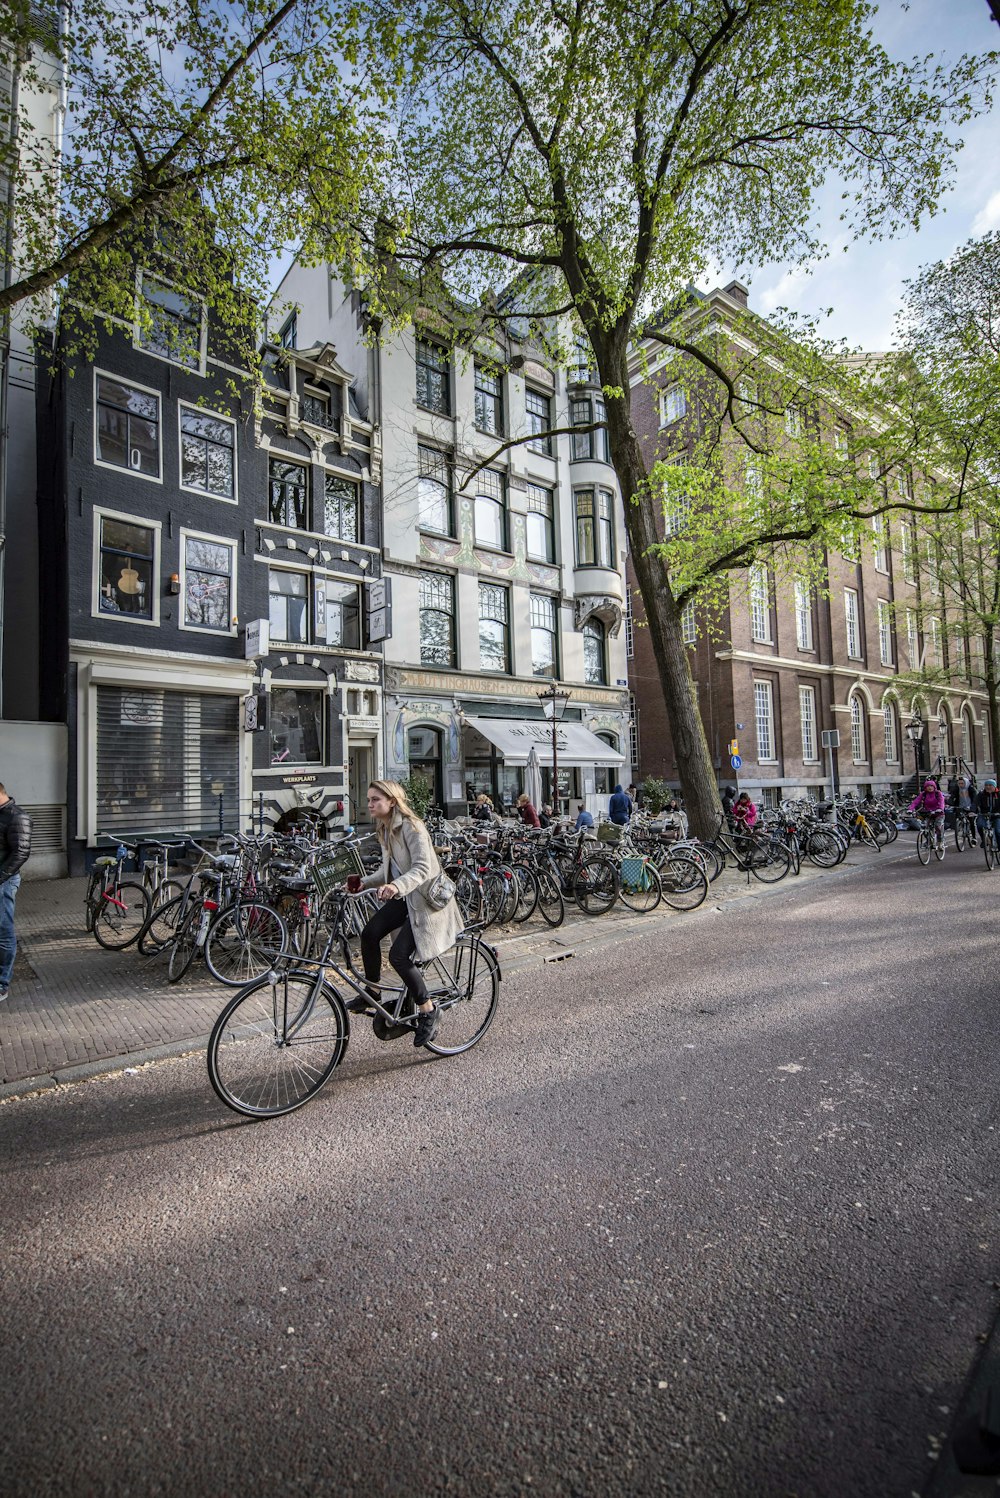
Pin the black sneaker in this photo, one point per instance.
(4, 994)
(428, 1024)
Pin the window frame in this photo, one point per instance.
(324, 746)
(890, 730)
(500, 589)
(428, 470)
(497, 503)
(481, 371)
(858, 734)
(552, 601)
(101, 513)
(803, 601)
(884, 612)
(852, 625)
(129, 384)
(326, 580)
(760, 605)
(810, 753)
(182, 406)
(548, 519)
(538, 444)
(309, 630)
(689, 623)
(276, 455)
(199, 369)
(594, 629)
(581, 444)
(422, 608)
(355, 483)
(230, 542)
(443, 370)
(672, 397)
(763, 692)
(601, 527)
(880, 549)
(913, 639)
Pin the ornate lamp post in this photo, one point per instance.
(553, 706)
(915, 732)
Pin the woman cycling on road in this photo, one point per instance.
(931, 804)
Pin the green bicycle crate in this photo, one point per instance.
(330, 872)
(608, 832)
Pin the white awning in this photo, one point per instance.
(575, 745)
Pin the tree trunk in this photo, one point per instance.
(992, 692)
(694, 762)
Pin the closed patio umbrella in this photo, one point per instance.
(533, 779)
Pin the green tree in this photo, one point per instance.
(950, 326)
(605, 153)
(222, 133)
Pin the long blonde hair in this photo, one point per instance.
(394, 792)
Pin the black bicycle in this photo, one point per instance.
(279, 1040)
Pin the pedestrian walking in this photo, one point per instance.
(15, 848)
(409, 868)
(620, 806)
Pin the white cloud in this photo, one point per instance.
(988, 217)
(788, 290)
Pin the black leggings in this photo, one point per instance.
(392, 916)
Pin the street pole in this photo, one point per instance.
(555, 770)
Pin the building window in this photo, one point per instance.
(128, 427)
(296, 726)
(314, 407)
(673, 405)
(912, 640)
(793, 421)
(541, 524)
(853, 624)
(803, 614)
(544, 636)
(885, 632)
(933, 573)
(170, 323)
(807, 717)
(208, 583)
(208, 453)
(581, 443)
(967, 740)
(288, 606)
(595, 528)
(633, 733)
(437, 619)
(537, 408)
(841, 444)
(489, 401)
(689, 624)
(934, 641)
(594, 665)
(287, 494)
(760, 606)
(490, 509)
(432, 377)
(764, 721)
(891, 736)
(494, 629)
(126, 567)
(857, 731)
(289, 333)
(907, 549)
(337, 613)
(602, 442)
(678, 504)
(629, 628)
(434, 509)
(881, 543)
(340, 508)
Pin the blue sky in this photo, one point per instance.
(863, 282)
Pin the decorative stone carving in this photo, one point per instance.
(598, 606)
(361, 671)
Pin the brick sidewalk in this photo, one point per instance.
(74, 1005)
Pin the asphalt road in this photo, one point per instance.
(713, 1212)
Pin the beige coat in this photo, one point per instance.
(434, 931)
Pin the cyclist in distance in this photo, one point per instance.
(988, 810)
(409, 866)
(931, 804)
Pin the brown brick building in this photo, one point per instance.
(787, 661)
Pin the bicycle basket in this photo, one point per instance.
(331, 871)
(633, 873)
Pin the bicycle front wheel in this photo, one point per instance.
(769, 861)
(924, 845)
(242, 943)
(273, 1046)
(551, 906)
(640, 889)
(161, 923)
(595, 887)
(468, 994)
(961, 833)
(683, 881)
(990, 848)
(121, 915)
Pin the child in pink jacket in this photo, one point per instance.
(931, 804)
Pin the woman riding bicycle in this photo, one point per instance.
(409, 866)
(931, 804)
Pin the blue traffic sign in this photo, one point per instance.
(736, 762)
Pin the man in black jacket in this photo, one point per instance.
(15, 846)
(988, 807)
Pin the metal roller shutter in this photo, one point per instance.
(164, 759)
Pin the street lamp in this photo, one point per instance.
(553, 706)
(915, 732)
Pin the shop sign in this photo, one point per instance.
(257, 642)
(142, 709)
(299, 779)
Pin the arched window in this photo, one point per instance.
(891, 733)
(594, 668)
(857, 730)
(605, 777)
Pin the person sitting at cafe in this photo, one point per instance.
(483, 809)
(583, 818)
(526, 811)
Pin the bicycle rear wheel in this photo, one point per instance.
(769, 860)
(526, 886)
(242, 943)
(595, 885)
(467, 994)
(823, 849)
(467, 893)
(640, 889)
(161, 923)
(551, 905)
(184, 942)
(268, 1052)
(121, 915)
(683, 882)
